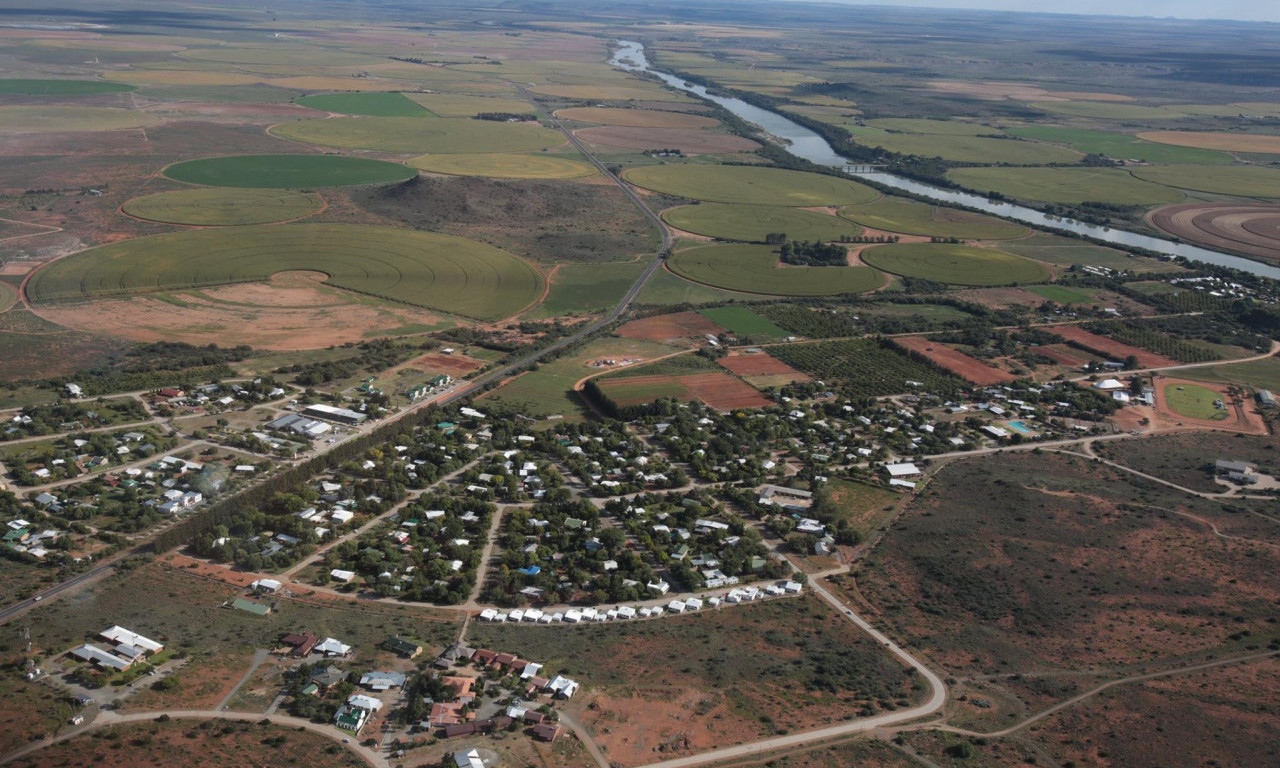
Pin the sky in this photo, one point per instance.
(1242, 10)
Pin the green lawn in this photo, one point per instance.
(1194, 402)
(1118, 146)
(743, 321)
(287, 171)
(955, 264)
(370, 104)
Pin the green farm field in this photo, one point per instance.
(287, 171)
(743, 321)
(303, 57)
(751, 223)
(426, 269)
(588, 287)
(1066, 251)
(500, 165)
(1104, 110)
(8, 296)
(755, 269)
(416, 135)
(749, 184)
(61, 87)
(224, 206)
(963, 149)
(666, 288)
(1236, 180)
(636, 118)
(1194, 401)
(460, 105)
(1118, 146)
(370, 104)
(895, 214)
(1258, 374)
(935, 127)
(1062, 294)
(1066, 185)
(955, 264)
(28, 119)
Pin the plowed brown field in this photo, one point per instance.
(662, 327)
(1110, 347)
(968, 368)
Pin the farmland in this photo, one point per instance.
(964, 149)
(370, 104)
(690, 141)
(1249, 228)
(956, 264)
(418, 268)
(718, 390)
(413, 135)
(1236, 180)
(1066, 185)
(588, 287)
(505, 166)
(742, 321)
(223, 206)
(1194, 401)
(61, 87)
(51, 119)
(895, 214)
(287, 171)
(755, 269)
(866, 367)
(954, 360)
(1061, 294)
(751, 223)
(745, 184)
(636, 118)
(461, 105)
(1118, 146)
(1106, 110)
(760, 370)
(1054, 249)
(1225, 142)
(1110, 348)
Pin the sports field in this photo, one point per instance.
(1237, 180)
(426, 269)
(1194, 401)
(1118, 146)
(505, 166)
(411, 134)
(1227, 142)
(636, 118)
(287, 171)
(224, 206)
(955, 264)
(1107, 110)
(743, 321)
(30, 119)
(896, 214)
(27, 87)
(371, 104)
(1066, 185)
(755, 269)
(751, 223)
(962, 148)
(750, 184)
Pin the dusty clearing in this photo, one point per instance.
(691, 141)
(454, 365)
(999, 298)
(669, 327)
(954, 360)
(1251, 228)
(1109, 347)
(296, 310)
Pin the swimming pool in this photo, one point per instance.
(1020, 426)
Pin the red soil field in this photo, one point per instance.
(663, 327)
(761, 365)
(718, 390)
(1252, 228)
(454, 365)
(953, 360)
(1109, 347)
(1060, 353)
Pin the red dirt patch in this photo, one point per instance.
(691, 141)
(454, 365)
(761, 370)
(1064, 355)
(969, 368)
(665, 327)
(723, 392)
(1110, 347)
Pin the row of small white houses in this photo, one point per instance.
(625, 612)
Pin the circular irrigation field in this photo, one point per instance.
(8, 296)
(1250, 228)
(287, 171)
(912, 218)
(420, 135)
(751, 223)
(750, 184)
(755, 269)
(636, 118)
(955, 264)
(425, 269)
(224, 206)
(503, 166)
(1234, 180)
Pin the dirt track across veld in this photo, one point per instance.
(1250, 228)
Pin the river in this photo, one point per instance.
(807, 145)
